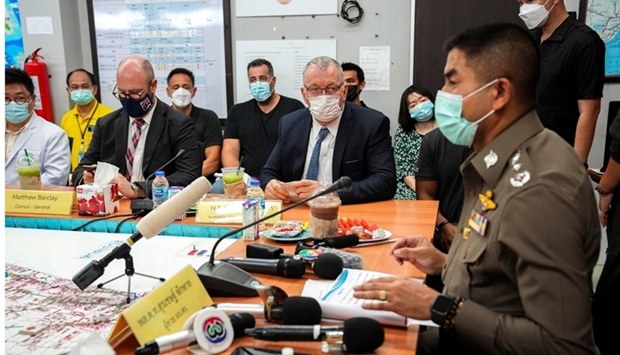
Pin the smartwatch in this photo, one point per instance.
(441, 308)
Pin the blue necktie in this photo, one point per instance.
(313, 167)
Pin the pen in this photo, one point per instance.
(368, 244)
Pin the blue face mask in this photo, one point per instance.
(261, 90)
(82, 97)
(16, 113)
(423, 111)
(448, 110)
(137, 108)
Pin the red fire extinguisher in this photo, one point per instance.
(38, 72)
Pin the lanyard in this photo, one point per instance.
(83, 131)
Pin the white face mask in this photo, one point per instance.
(325, 108)
(181, 98)
(534, 15)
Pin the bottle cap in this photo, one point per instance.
(254, 183)
(160, 173)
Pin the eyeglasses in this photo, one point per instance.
(132, 95)
(20, 100)
(330, 90)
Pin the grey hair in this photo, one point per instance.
(323, 63)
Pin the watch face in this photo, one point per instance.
(442, 304)
(440, 309)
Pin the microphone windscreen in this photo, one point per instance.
(241, 322)
(298, 310)
(341, 242)
(344, 182)
(291, 267)
(349, 260)
(328, 266)
(362, 335)
(167, 212)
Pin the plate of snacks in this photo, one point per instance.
(367, 233)
(288, 231)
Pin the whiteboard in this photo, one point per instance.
(288, 59)
(170, 34)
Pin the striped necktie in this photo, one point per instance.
(131, 149)
(313, 167)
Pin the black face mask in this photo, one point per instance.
(137, 108)
(352, 93)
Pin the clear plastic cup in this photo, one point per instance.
(29, 173)
(234, 187)
(324, 215)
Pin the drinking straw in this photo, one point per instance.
(239, 167)
(27, 156)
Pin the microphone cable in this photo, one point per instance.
(132, 215)
(349, 5)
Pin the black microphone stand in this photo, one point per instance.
(123, 251)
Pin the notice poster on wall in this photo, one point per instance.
(375, 61)
(288, 59)
(256, 8)
(170, 34)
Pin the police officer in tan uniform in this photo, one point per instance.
(518, 274)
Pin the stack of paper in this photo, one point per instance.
(337, 301)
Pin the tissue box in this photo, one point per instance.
(97, 200)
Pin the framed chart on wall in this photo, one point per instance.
(603, 16)
(192, 34)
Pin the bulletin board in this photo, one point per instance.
(192, 34)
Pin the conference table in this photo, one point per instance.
(401, 218)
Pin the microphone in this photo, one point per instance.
(209, 329)
(287, 267)
(295, 310)
(338, 242)
(349, 260)
(357, 335)
(148, 227)
(225, 279)
(146, 203)
(324, 265)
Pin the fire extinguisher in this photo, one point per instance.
(38, 72)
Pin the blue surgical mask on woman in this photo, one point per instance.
(16, 113)
(423, 111)
(137, 108)
(261, 90)
(448, 111)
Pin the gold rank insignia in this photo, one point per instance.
(486, 200)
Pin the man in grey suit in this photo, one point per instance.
(142, 136)
(518, 274)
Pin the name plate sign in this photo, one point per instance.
(38, 202)
(230, 211)
(164, 310)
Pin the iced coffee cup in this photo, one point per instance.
(324, 215)
(29, 173)
(234, 187)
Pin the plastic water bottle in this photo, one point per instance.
(256, 193)
(160, 188)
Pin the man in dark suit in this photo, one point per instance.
(330, 139)
(142, 136)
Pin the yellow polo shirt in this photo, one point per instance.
(80, 129)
